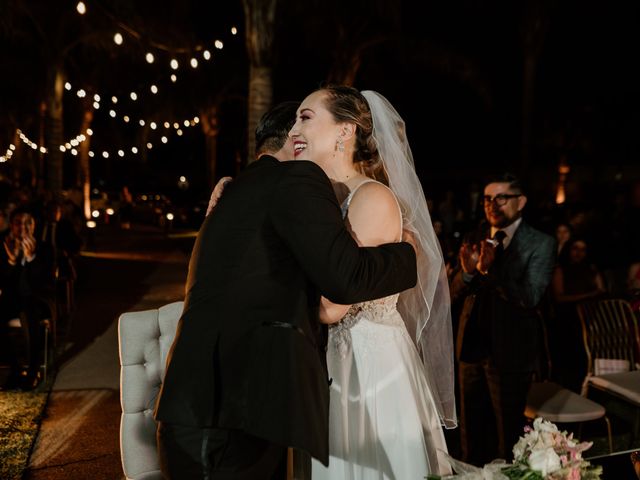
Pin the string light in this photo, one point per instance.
(207, 55)
(117, 38)
(67, 86)
(219, 44)
(154, 89)
(81, 8)
(234, 30)
(174, 64)
(114, 99)
(133, 96)
(149, 57)
(173, 78)
(194, 63)
(74, 142)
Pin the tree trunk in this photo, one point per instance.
(84, 167)
(209, 122)
(260, 99)
(259, 26)
(528, 87)
(54, 130)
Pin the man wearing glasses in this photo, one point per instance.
(502, 281)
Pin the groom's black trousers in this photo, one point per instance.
(194, 453)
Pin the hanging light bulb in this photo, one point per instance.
(153, 125)
(234, 30)
(154, 89)
(67, 86)
(114, 99)
(117, 38)
(112, 113)
(134, 96)
(174, 64)
(194, 63)
(219, 44)
(173, 78)
(206, 54)
(134, 150)
(149, 57)
(81, 8)
(164, 139)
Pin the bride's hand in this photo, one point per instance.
(217, 193)
(330, 312)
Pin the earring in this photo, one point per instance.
(339, 145)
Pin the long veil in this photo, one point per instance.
(426, 308)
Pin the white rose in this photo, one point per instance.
(545, 461)
(519, 448)
(541, 425)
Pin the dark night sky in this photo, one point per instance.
(453, 70)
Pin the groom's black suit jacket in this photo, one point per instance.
(500, 319)
(249, 353)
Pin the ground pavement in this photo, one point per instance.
(124, 270)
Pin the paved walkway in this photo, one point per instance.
(128, 271)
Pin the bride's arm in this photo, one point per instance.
(373, 219)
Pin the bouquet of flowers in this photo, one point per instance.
(543, 453)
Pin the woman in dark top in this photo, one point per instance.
(575, 279)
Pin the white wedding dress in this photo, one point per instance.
(383, 423)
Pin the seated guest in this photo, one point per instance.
(563, 234)
(575, 279)
(25, 286)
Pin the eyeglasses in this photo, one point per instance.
(500, 199)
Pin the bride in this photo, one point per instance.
(391, 359)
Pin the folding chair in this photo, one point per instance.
(610, 333)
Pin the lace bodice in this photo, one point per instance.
(382, 311)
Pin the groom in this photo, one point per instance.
(246, 374)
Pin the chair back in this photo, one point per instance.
(610, 334)
(144, 340)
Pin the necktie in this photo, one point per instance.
(499, 237)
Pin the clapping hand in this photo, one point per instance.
(468, 256)
(486, 257)
(29, 247)
(12, 247)
(474, 258)
(217, 193)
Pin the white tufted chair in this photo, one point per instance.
(144, 339)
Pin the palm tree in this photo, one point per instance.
(259, 26)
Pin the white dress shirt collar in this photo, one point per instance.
(510, 231)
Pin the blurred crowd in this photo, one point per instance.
(40, 237)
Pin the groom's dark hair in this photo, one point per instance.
(274, 126)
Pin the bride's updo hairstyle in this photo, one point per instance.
(346, 104)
